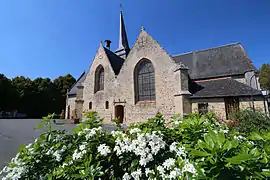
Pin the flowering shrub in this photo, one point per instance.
(193, 147)
(248, 120)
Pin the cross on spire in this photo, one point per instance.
(121, 5)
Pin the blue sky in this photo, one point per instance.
(49, 38)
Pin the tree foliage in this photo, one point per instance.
(264, 74)
(35, 98)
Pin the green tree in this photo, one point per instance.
(44, 97)
(62, 84)
(7, 94)
(264, 75)
(36, 98)
(24, 91)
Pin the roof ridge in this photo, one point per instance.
(106, 49)
(225, 45)
(77, 80)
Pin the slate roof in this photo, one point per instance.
(116, 61)
(221, 88)
(221, 61)
(73, 90)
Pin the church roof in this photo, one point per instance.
(73, 89)
(115, 60)
(220, 61)
(221, 88)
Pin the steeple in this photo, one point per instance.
(123, 47)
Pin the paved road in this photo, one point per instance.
(17, 132)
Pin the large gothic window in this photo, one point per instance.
(99, 79)
(145, 81)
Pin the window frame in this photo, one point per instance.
(99, 79)
(144, 80)
(204, 110)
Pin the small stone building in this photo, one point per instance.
(135, 83)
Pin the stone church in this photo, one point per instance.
(135, 83)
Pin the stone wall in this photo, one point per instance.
(99, 98)
(215, 105)
(120, 90)
(166, 81)
(259, 104)
(71, 103)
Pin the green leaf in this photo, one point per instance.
(255, 136)
(203, 145)
(230, 144)
(239, 158)
(266, 172)
(40, 125)
(199, 153)
(220, 139)
(209, 141)
(134, 163)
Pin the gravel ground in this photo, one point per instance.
(17, 132)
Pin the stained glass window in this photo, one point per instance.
(146, 81)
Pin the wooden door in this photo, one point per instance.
(119, 113)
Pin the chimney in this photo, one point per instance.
(108, 44)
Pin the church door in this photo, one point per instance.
(119, 112)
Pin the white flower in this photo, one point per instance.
(251, 142)
(140, 146)
(239, 137)
(80, 133)
(57, 155)
(175, 173)
(189, 168)
(224, 131)
(148, 171)
(103, 149)
(50, 151)
(160, 170)
(29, 145)
(168, 163)
(64, 165)
(136, 174)
(115, 133)
(126, 176)
(31, 150)
(91, 132)
(173, 146)
(77, 155)
(82, 147)
(134, 130)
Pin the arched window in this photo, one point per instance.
(99, 79)
(144, 75)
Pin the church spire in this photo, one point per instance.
(123, 47)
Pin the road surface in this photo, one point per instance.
(17, 132)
